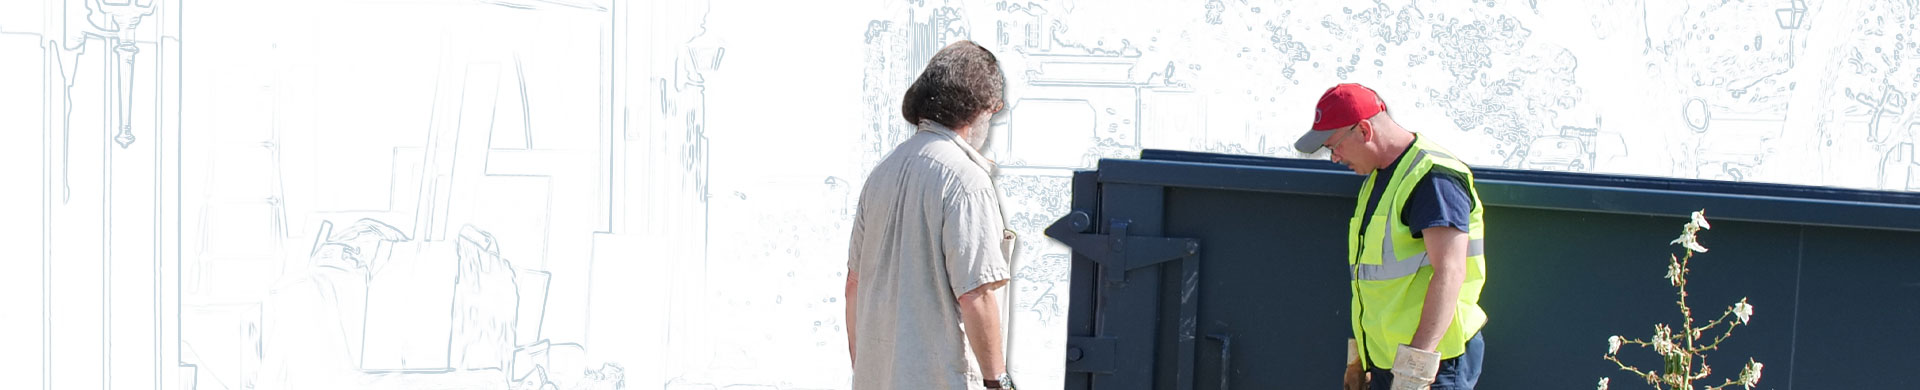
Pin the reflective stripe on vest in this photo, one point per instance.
(1392, 267)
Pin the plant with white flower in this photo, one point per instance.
(1681, 351)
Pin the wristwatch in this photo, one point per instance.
(1003, 382)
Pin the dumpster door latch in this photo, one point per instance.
(1116, 251)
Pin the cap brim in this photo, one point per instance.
(1312, 141)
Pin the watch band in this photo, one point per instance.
(1003, 382)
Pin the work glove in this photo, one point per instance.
(1414, 368)
(1357, 376)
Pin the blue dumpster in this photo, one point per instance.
(1208, 271)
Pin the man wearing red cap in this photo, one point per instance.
(1417, 264)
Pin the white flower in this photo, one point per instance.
(1613, 345)
(1751, 375)
(1673, 271)
(1603, 382)
(1695, 247)
(1743, 310)
(1662, 343)
(1686, 239)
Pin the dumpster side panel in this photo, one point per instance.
(1561, 282)
(1273, 281)
(1858, 310)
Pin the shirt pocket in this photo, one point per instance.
(1369, 254)
(1353, 250)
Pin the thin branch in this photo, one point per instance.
(1704, 370)
(1628, 341)
(1624, 367)
(1716, 322)
(1717, 340)
(1729, 382)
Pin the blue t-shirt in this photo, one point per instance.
(1439, 199)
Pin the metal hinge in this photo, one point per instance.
(1116, 251)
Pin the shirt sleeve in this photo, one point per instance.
(1440, 199)
(971, 238)
(853, 243)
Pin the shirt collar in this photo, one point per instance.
(1390, 167)
(929, 126)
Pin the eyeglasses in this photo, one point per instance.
(1343, 137)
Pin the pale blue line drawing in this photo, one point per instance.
(109, 141)
(227, 206)
(1793, 16)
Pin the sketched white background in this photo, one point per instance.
(667, 184)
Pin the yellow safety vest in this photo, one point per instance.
(1390, 269)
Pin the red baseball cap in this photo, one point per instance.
(1342, 106)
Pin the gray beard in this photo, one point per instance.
(978, 138)
(981, 135)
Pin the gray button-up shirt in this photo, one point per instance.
(928, 229)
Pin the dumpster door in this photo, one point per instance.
(1123, 260)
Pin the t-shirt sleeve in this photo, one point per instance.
(854, 242)
(971, 239)
(1440, 199)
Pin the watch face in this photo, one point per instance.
(1003, 382)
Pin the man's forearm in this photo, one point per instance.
(1447, 249)
(1436, 315)
(853, 295)
(980, 311)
